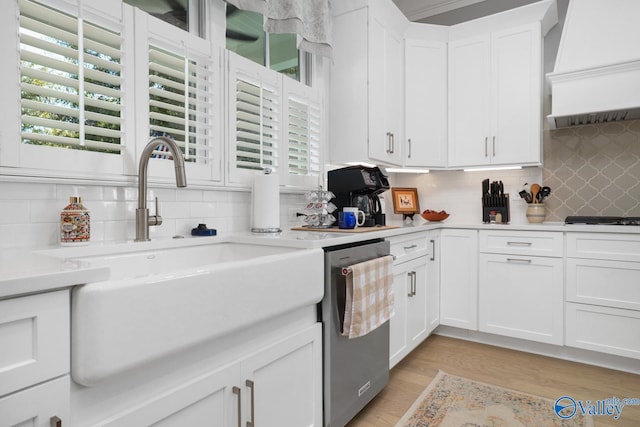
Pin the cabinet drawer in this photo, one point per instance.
(535, 243)
(38, 406)
(606, 283)
(34, 338)
(522, 297)
(608, 330)
(409, 246)
(616, 247)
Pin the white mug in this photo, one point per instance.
(360, 215)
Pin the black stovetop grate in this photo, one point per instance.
(603, 220)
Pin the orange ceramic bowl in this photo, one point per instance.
(434, 216)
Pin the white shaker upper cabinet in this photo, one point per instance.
(495, 87)
(425, 72)
(366, 83)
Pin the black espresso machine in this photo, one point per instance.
(360, 186)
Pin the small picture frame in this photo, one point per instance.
(405, 201)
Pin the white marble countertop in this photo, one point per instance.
(25, 271)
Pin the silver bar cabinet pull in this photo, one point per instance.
(433, 250)
(252, 421)
(525, 261)
(237, 391)
(409, 155)
(519, 243)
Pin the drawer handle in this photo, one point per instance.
(55, 422)
(406, 248)
(251, 423)
(525, 261)
(519, 243)
(237, 391)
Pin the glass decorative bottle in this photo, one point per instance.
(75, 221)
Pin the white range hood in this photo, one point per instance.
(597, 71)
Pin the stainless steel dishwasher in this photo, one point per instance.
(355, 370)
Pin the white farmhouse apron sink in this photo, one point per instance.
(158, 302)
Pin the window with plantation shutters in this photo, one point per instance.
(183, 94)
(254, 118)
(274, 122)
(302, 129)
(71, 85)
(178, 98)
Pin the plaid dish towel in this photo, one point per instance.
(369, 296)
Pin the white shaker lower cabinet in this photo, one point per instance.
(520, 293)
(603, 293)
(459, 278)
(34, 360)
(279, 385)
(415, 294)
(283, 383)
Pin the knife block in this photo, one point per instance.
(504, 210)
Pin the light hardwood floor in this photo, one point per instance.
(529, 373)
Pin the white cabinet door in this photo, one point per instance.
(425, 72)
(522, 297)
(282, 384)
(39, 406)
(433, 282)
(495, 95)
(469, 91)
(366, 83)
(283, 378)
(459, 278)
(398, 335)
(209, 399)
(385, 99)
(349, 100)
(516, 95)
(409, 326)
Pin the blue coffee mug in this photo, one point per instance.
(346, 220)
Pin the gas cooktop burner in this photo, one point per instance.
(603, 220)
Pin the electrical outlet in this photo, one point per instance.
(292, 214)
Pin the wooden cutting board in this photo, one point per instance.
(344, 230)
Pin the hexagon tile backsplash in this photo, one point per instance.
(593, 170)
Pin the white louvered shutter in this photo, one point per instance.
(303, 132)
(71, 90)
(183, 97)
(254, 118)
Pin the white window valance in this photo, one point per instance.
(310, 20)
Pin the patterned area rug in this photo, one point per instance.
(451, 401)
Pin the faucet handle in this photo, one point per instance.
(156, 219)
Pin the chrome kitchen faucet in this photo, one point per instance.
(143, 220)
